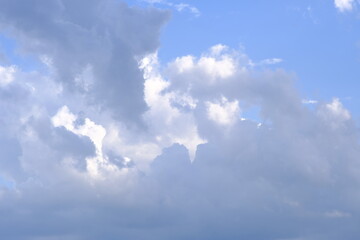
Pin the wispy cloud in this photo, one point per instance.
(309, 101)
(180, 7)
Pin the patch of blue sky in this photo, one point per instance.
(11, 54)
(317, 42)
(252, 113)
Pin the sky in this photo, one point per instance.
(166, 119)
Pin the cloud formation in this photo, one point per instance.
(344, 5)
(91, 46)
(73, 168)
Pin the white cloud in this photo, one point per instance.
(183, 6)
(222, 68)
(218, 49)
(96, 133)
(271, 61)
(344, 5)
(223, 112)
(335, 114)
(337, 110)
(194, 169)
(212, 68)
(337, 214)
(6, 75)
(309, 101)
(169, 123)
(180, 7)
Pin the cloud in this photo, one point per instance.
(180, 7)
(344, 5)
(99, 39)
(309, 101)
(271, 61)
(6, 75)
(72, 168)
(337, 214)
(223, 112)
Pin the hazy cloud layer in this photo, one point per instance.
(73, 166)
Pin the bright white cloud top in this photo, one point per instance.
(105, 142)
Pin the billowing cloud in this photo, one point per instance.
(73, 168)
(91, 46)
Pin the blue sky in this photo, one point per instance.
(316, 41)
(167, 119)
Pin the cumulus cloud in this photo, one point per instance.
(72, 168)
(344, 5)
(223, 112)
(97, 39)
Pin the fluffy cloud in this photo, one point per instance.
(6, 75)
(224, 112)
(72, 167)
(344, 5)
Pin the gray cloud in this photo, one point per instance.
(200, 170)
(102, 37)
